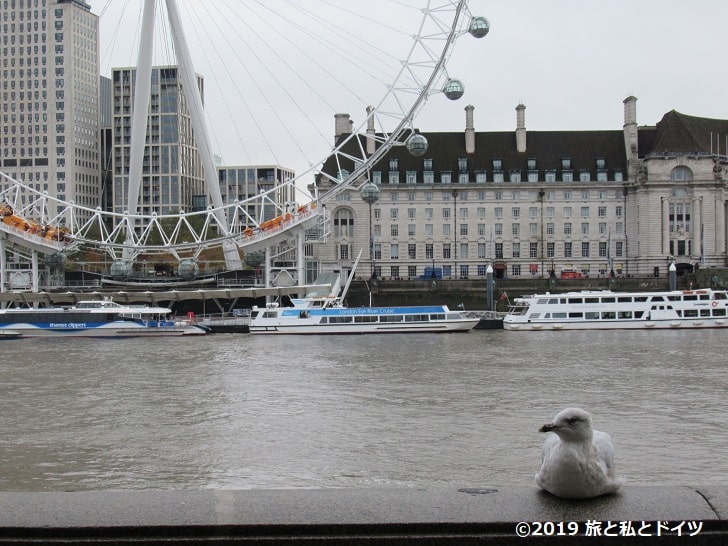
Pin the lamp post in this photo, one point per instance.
(370, 194)
(455, 210)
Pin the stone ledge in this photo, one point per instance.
(454, 515)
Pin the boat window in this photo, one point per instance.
(553, 301)
(609, 315)
(591, 300)
(535, 315)
(691, 297)
(673, 298)
(542, 301)
(340, 320)
(607, 300)
(625, 315)
(438, 316)
(366, 318)
(705, 312)
(417, 318)
(270, 314)
(624, 299)
(638, 314)
(576, 315)
(391, 318)
(591, 315)
(576, 300)
(704, 297)
(303, 314)
(558, 315)
(719, 312)
(690, 313)
(720, 296)
(640, 298)
(658, 298)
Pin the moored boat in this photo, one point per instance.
(96, 318)
(326, 314)
(607, 310)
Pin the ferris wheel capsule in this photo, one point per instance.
(479, 27)
(454, 89)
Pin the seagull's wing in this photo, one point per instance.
(605, 449)
(549, 443)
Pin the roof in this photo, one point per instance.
(680, 133)
(548, 148)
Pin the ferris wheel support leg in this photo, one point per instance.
(36, 274)
(300, 261)
(2, 264)
(266, 271)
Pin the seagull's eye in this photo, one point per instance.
(572, 420)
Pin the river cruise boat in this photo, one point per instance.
(606, 310)
(104, 318)
(327, 314)
(314, 316)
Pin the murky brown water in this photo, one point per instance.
(238, 411)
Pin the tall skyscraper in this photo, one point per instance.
(172, 176)
(49, 124)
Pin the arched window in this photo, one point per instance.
(343, 223)
(681, 174)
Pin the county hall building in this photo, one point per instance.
(593, 203)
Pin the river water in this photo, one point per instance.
(237, 411)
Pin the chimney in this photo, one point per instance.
(630, 127)
(469, 130)
(342, 125)
(521, 128)
(371, 142)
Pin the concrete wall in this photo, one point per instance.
(452, 515)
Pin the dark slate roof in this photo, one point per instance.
(679, 133)
(548, 148)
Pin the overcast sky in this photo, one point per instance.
(571, 62)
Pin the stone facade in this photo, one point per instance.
(624, 201)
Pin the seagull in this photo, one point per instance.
(577, 462)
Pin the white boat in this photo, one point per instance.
(96, 318)
(607, 310)
(326, 314)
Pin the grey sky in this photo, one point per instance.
(571, 62)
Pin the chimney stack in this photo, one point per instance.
(630, 127)
(469, 130)
(521, 127)
(371, 142)
(342, 125)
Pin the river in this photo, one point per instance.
(235, 411)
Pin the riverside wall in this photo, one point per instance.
(446, 515)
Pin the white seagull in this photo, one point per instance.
(577, 462)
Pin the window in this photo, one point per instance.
(533, 250)
(497, 164)
(411, 177)
(411, 230)
(394, 214)
(567, 228)
(499, 229)
(516, 230)
(394, 251)
(567, 212)
(516, 250)
(463, 164)
(585, 212)
(445, 251)
(498, 213)
(343, 223)
(412, 251)
(585, 228)
(429, 231)
(464, 230)
(681, 174)
(516, 213)
(429, 251)
(515, 176)
(567, 250)
(445, 177)
(585, 249)
(499, 251)
(550, 250)
(602, 249)
(618, 211)
(394, 230)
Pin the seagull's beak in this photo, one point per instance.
(549, 427)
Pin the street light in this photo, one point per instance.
(370, 194)
(455, 209)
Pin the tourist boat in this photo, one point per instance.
(607, 310)
(326, 314)
(97, 318)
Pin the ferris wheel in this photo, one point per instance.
(402, 47)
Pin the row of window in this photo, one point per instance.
(481, 177)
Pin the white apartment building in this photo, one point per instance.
(49, 123)
(629, 200)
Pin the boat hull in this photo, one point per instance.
(616, 325)
(107, 330)
(430, 328)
